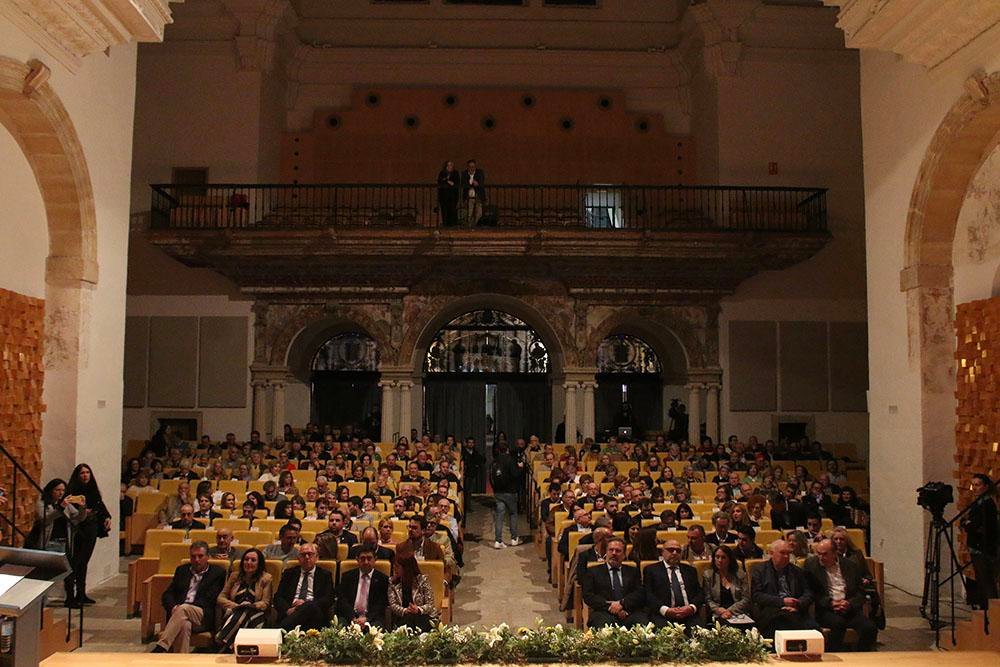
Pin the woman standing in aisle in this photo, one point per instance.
(94, 521)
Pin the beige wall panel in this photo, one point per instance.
(173, 361)
(805, 375)
(753, 366)
(848, 366)
(222, 368)
(136, 356)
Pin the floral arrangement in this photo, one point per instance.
(448, 644)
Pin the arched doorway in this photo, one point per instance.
(485, 372)
(629, 391)
(344, 379)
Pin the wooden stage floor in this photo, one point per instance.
(895, 658)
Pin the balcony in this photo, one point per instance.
(311, 238)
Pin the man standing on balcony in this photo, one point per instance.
(473, 192)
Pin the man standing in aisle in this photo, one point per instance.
(473, 192)
(505, 476)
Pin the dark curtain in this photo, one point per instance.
(341, 398)
(524, 408)
(645, 397)
(456, 407)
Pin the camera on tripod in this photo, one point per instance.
(935, 496)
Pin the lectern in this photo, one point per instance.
(23, 601)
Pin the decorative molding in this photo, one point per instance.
(926, 32)
(720, 24)
(71, 31)
(255, 41)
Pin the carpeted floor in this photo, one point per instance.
(507, 585)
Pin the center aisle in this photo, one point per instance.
(506, 585)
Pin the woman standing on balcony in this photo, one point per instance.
(448, 194)
(94, 522)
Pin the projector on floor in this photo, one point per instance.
(806, 643)
(258, 643)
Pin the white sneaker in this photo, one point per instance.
(516, 541)
(499, 545)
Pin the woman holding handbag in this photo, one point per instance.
(93, 522)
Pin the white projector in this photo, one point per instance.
(798, 643)
(258, 643)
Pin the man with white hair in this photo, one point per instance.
(780, 594)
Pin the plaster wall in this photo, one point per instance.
(23, 225)
(99, 99)
(902, 106)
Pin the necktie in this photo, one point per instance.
(616, 583)
(675, 588)
(361, 604)
(304, 586)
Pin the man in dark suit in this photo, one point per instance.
(614, 592)
(186, 520)
(599, 538)
(363, 593)
(369, 539)
(189, 601)
(840, 598)
(305, 594)
(721, 534)
(673, 594)
(787, 513)
(780, 593)
(473, 192)
(334, 535)
(746, 546)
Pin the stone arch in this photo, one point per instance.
(41, 126)
(34, 115)
(291, 329)
(963, 140)
(667, 338)
(304, 345)
(415, 345)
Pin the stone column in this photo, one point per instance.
(260, 406)
(694, 413)
(589, 426)
(712, 411)
(570, 409)
(277, 411)
(388, 409)
(405, 407)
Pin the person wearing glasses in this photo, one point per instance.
(305, 593)
(673, 593)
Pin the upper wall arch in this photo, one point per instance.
(40, 124)
(671, 338)
(419, 338)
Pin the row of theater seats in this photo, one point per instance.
(153, 614)
(581, 612)
(150, 574)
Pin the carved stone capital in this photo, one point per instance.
(719, 23)
(255, 41)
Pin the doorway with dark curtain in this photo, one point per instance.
(346, 397)
(524, 408)
(645, 400)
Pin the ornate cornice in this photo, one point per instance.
(256, 41)
(71, 30)
(719, 24)
(926, 32)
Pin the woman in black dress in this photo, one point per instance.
(245, 599)
(448, 194)
(94, 521)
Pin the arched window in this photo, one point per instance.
(487, 341)
(350, 351)
(622, 353)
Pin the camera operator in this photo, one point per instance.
(983, 539)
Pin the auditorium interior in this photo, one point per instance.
(740, 256)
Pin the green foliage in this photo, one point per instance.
(502, 645)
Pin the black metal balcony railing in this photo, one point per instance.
(634, 207)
